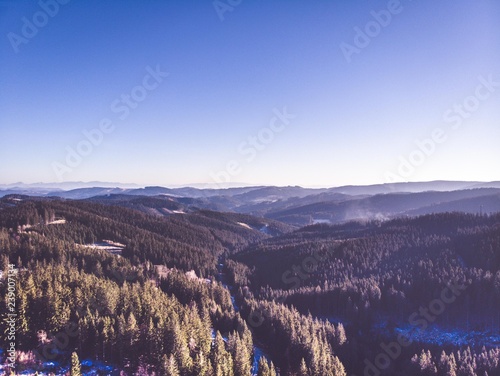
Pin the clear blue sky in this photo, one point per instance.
(353, 123)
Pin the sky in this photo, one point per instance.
(292, 92)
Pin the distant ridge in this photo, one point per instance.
(67, 185)
(80, 190)
(294, 205)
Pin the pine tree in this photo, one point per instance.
(121, 336)
(242, 365)
(210, 368)
(303, 371)
(170, 367)
(263, 369)
(341, 336)
(163, 365)
(200, 366)
(272, 370)
(131, 329)
(222, 359)
(337, 367)
(75, 365)
(23, 323)
(451, 369)
(181, 351)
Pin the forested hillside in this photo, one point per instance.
(185, 241)
(130, 285)
(374, 276)
(156, 307)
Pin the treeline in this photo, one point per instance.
(460, 363)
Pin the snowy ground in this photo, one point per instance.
(107, 245)
(88, 367)
(440, 335)
(244, 225)
(435, 335)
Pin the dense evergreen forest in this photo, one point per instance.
(417, 277)
(205, 292)
(158, 308)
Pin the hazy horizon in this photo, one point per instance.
(69, 185)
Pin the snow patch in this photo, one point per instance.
(57, 222)
(244, 225)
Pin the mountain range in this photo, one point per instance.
(293, 205)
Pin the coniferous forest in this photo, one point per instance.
(105, 288)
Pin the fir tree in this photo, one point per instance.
(303, 371)
(263, 368)
(75, 365)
